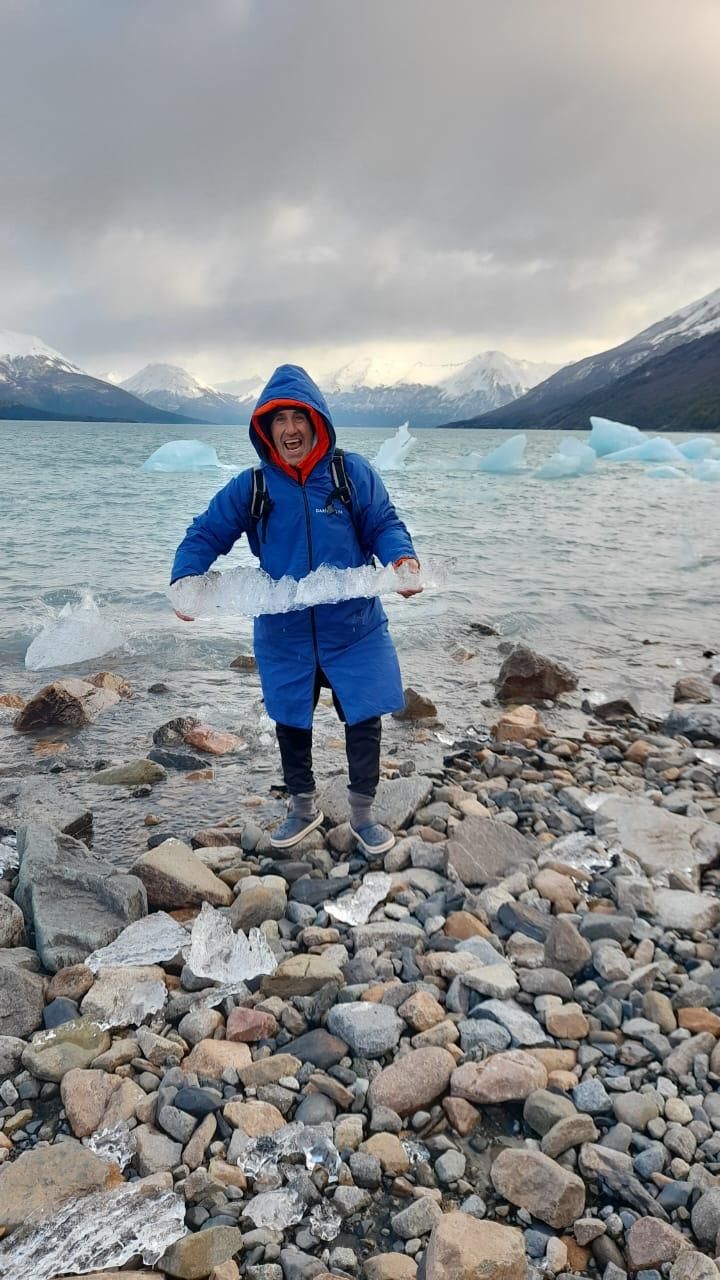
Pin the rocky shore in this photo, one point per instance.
(494, 1054)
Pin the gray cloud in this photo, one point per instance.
(236, 180)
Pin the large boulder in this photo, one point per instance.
(694, 722)
(463, 1248)
(660, 841)
(22, 996)
(40, 1181)
(73, 901)
(484, 850)
(395, 801)
(72, 1045)
(174, 877)
(526, 676)
(73, 703)
(42, 801)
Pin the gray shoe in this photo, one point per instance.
(294, 829)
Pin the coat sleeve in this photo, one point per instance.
(216, 531)
(380, 529)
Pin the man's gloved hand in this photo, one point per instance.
(413, 567)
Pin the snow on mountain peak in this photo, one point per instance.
(481, 373)
(693, 321)
(18, 346)
(167, 377)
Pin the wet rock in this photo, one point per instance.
(74, 901)
(370, 1030)
(22, 997)
(395, 801)
(695, 723)
(40, 1181)
(504, 1077)
(692, 689)
(39, 801)
(532, 1181)
(463, 1248)
(417, 707)
(612, 706)
(216, 743)
(413, 1081)
(73, 703)
(244, 662)
(175, 877)
(518, 725)
(484, 850)
(132, 774)
(526, 676)
(74, 1044)
(172, 733)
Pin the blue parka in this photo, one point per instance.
(350, 640)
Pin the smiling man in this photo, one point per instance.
(309, 504)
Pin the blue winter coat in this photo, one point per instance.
(349, 641)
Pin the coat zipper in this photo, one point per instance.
(308, 529)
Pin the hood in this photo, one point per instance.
(291, 385)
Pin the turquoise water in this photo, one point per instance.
(585, 570)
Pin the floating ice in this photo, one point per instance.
(656, 449)
(261, 1157)
(184, 455)
(79, 633)
(505, 460)
(116, 1145)
(252, 592)
(95, 1232)
(155, 938)
(392, 452)
(698, 448)
(218, 953)
(608, 437)
(573, 458)
(9, 859)
(131, 1007)
(355, 908)
(665, 472)
(709, 470)
(276, 1210)
(324, 1221)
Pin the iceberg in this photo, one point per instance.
(573, 458)
(505, 460)
(78, 634)
(665, 472)
(184, 455)
(253, 593)
(356, 907)
(155, 938)
(608, 437)
(393, 452)
(698, 448)
(94, 1233)
(654, 449)
(217, 952)
(709, 470)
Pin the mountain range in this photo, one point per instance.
(667, 378)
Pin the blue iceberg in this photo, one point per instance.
(698, 448)
(608, 437)
(709, 470)
(183, 455)
(656, 449)
(505, 460)
(392, 452)
(665, 472)
(573, 458)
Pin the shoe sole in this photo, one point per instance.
(374, 848)
(293, 840)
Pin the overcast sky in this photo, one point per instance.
(227, 184)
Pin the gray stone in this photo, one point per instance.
(395, 801)
(11, 1051)
(38, 800)
(484, 850)
(155, 1152)
(592, 1097)
(524, 1029)
(544, 1109)
(418, 1219)
(686, 912)
(660, 841)
(545, 982)
(74, 901)
(370, 1030)
(12, 923)
(476, 1032)
(22, 996)
(694, 722)
(450, 1167)
(199, 1252)
(705, 1218)
(565, 949)
(392, 935)
(635, 1109)
(132, 774)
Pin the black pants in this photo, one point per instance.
(362, 744)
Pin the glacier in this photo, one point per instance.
(252, 592)
(184, 455)
(573, 458)
(607, 436)
(393, 452)
(78, 634)
(654, 449)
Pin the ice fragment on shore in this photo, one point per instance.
(357, 907)
(261, 1157)
(608, 437)
(392, 452)
(656, 449)
(155, 938)
(506, 459)
(9, 859)
(324, 1221)
(183, 455)
(116, 1145)
(132, 1006)
(217, 952)
(95, 1232)
(276, 1210)
(79, 633)
(253, 593)
(573, 458)
(581, 850)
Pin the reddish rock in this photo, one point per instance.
(250, 1025)
(463, 1248)
(650, 1243)
(417, 707)
(413, 1081)
(74, 703)
(504, 1077)
(463, 925)
(108, 680)
(203, 738)
(463, 1116)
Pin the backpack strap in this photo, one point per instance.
(261, 504)
(342, 489)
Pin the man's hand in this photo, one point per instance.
(413, 566)
(183, 616)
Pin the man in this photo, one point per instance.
(305, 507)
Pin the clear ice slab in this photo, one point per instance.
(218, 953)
(155, 938)
(253, 593)
(393, 452)
(116, 1145)
(356, 908)
(262, 1156)
(607, 436)
(95, 1232)
(78, 634)
(276, 1210)
(184, 455)
(573, 458)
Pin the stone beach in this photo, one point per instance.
(500, 1059)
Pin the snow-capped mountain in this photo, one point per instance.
(169, 387)
(38, 382)
(541, 405)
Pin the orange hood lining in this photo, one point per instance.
(319, 449)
